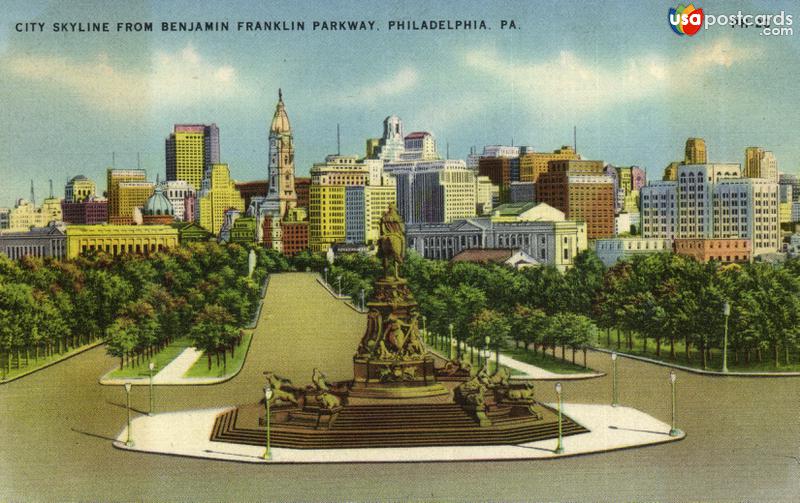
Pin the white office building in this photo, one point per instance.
(712, 201)
(177, 191)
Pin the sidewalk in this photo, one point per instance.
(530, 371)
(694, 370)
(172, 374)
(187, 434)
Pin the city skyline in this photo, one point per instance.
(632, 103)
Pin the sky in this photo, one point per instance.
(633, 88)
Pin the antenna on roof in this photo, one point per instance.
(113, 159)
(575, 138)
(51, 188)
(338, 141)
(447, 149)
(33, 197)
(512, 141)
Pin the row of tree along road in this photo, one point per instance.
(137, 304)
(664, 305)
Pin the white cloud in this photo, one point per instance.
(568, 83)
(403, 81)
(178, 78)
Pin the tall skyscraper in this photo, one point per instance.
(582, 191)
(364, 206)
(421, 146)
(533, 164)
(119, 211)
(219, 195)
(392, 145)
(191, 150)
(792, 180)
(713, 201)
(695, 151)
(760, 163)
(436, 191)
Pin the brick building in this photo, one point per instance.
(722, 250)
(582, 191)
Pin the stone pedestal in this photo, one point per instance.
(395, 379)
(391, 360)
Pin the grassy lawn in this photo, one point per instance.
(695, 361)
(444, 349)
(555, 365)
(200, 368)
(161, 360)
(34, 364)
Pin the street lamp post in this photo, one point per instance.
(152, 399)
(363, 305)
(425, 329)
(673, 432)
(267, 398)
(726, 310)
(560, 446)
(129, 440)
(453, 344)
(614, 397)
(326, 276)
(488, 341)
(339, 279)
(497, 355)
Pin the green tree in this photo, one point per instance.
(121, 339)
(214, 331)
(492, 324)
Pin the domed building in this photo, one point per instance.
(158, 210)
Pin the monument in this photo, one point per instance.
(391, 360)
(401, 395)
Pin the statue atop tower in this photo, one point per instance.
(281, 196)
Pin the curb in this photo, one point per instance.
(712, 373)
(346, 298)
(117, 443)
(330, 290)
(65, 357)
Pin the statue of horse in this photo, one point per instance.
(282, 388)
(525, 393)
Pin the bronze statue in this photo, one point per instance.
(392, 243)
(320, 380)
(282, 388)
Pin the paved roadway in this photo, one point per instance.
(56, 425)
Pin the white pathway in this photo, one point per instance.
(177, 367)
(187, 434)
(172, 373)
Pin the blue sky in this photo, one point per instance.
(634, 89)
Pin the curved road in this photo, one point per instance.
(743, 434)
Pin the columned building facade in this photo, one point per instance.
(553, 243)
(39, 242)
